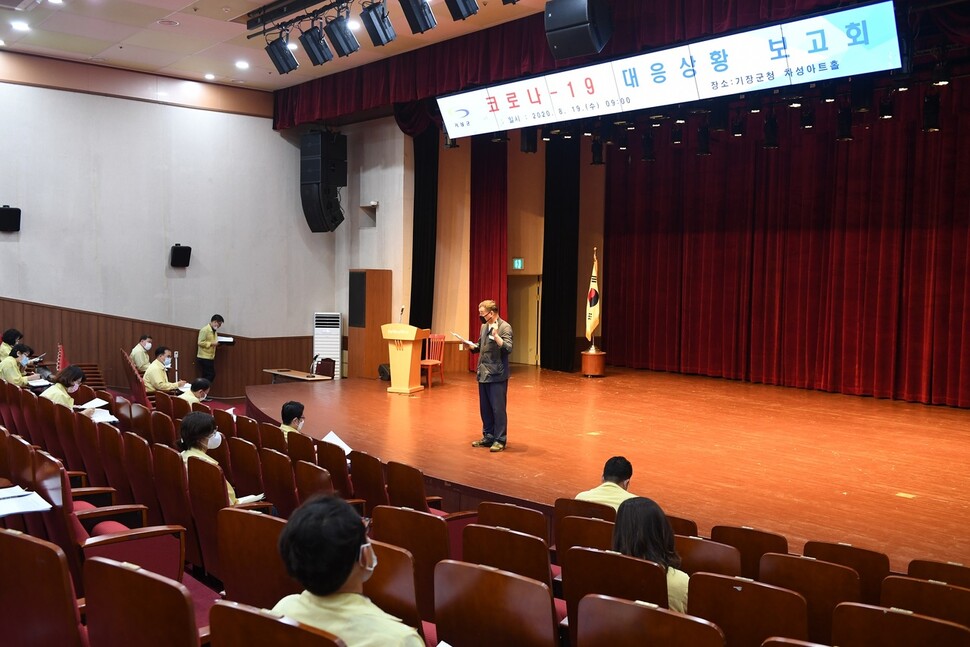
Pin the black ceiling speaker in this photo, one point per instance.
(282, 57)
(343, 40)
(577, 27)
(9, 218)
(315, 46)
(378, 23)
(461, 9)
(180, 256)
(419, 15)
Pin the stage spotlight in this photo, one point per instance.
(737, 126)
(419, 15)
(378, 23)
(843, 129)
(718, 119)
(315, 46)
(646, 148)
(596, 148)
(281, 56)
(461, 9)
(677, 135)
(886, 107)
(703, 140)
(771, 132)
(499, 137)
(622, 142)
(807, 119)
(931, 113)
(940, 75)
(860, 94)
(546, 134)
(529, 140)
(343, 40)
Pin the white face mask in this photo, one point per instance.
(73, 388)
(24, 360)
(367, 560)
(214, 440)
(148, 345)
(168, 362)
(299, 424)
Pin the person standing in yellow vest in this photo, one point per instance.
(208, 342)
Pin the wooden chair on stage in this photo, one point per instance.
(391, 587)
(300, 447)
(272, 437)
(872, 566)
(949, 572)
(751, 543)
(824, 586)
(587, 570)
(862, 625)
(927, 597)
(278, 480)
(246, 470)
(682, 526)
(136, 455)
(606, 620)
(586, 532)
(252, 569)
(91, 452)
(240, 625)
(747, 612)
(127, 605)
(698, 554)
(248, 429)
(180, 408)
(482, 606)
(425, 536)
(118, 477)
(434, 354)
(36, 593)
(172, 489)
(514, 517)
(369, 483)
(311, 480)
(163, 429)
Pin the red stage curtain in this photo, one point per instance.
(829, 265)
(488, 255)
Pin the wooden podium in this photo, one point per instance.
(404, 349)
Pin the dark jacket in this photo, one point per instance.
(493, 360)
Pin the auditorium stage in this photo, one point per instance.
(880, 474)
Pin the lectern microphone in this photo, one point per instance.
(400, 318)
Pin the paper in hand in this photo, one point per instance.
(463, 340)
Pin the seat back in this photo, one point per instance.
(311, 480)
(467, 616)
(682, 526)
(248, 429)
(28, 406)
(163, 403)
(65, 422)
(50, 482)
(222, 456)
(46, 410)
(207, 496)
(141, 420)
(861, 625)
(391, 586)
(121, 408)
(90, 446)
(949, 572)
(15, 395)
(872, 566)
(425, 536)
(434, 347)
(369, 483)
(823, 585)
(136, 457)
(514, 517)
(127, 605)
(576, 508)
(326, 366)
(583, 531)
(118, 475)
(751, 543)
(697, 554)
(252, 569)
(36, 593)
(180, 408)
(747, 612)
(6, 413)
(606, 620)
(239, 625)
(927, 597)
(299, 447)
(201, 408)
(405, 487)
(172, 488)
(272, 436)
(224, 422)
(333, 459)
(587, 570)
(508, 550)
(246, 470)
(83, 394)
(278, 481)
(20, 457)
(163, 429)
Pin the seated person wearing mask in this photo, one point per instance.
(139, 354)
(292, 417)
(10, 366)
(198, 391)
(197, 435)
(65, 385)
(325, 547)
(616, 480)
(11, 337)
(156, 377)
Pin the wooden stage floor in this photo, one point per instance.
(880, 474)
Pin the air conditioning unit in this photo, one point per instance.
(327, 338)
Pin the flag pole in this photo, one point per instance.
(594, 360)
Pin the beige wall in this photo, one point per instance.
(452, 253)
(592, 197)
(526, 197)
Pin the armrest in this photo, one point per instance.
(77, 478)
(434, 502)
(358, 505)
(256, 506)
(159, 549)
(133, 516)
(98, 496)
(472, 515)
(205, 637)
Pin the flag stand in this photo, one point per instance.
(594, 360)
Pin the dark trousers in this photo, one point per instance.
(491, 401)
(207, 368)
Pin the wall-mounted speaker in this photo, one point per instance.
(577, 27)
(180, 256)
(321, 207)
(323, 158)
(9, 218)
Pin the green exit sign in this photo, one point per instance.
(518, 264)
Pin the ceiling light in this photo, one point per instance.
(737, 127)
(419, 15)
(886, 108)
(343, 40)
(378, 23)
(677, 135)
(807, 119)
(20, 25)
(2, 43)
(242, 65)
(167, 23)
(55, 1)
(210, 76)
(352, 24)
(315, 46)
(940, 76)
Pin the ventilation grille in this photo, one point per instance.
(327, 338)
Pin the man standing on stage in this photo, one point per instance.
(494, 346)
(208, 342)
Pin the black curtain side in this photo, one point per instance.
(560, 242)
(425, 228)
